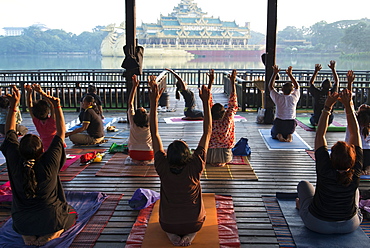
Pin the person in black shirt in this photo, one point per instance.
(320, 95)
(189, 111)
(91, 91)
(40, 211)
(333, 206)
(92, 123)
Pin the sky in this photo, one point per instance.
(77, 16)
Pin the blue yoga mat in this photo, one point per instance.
(85, 203)
(303, 237)
(298, 144)
(106, 122)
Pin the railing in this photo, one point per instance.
(71, 85)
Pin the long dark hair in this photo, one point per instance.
(30, 148)
(91, 99)
(363, 118)
(178, 155)
(343, 158)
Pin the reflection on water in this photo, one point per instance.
(37, 62)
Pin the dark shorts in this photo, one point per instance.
(191, 112)
(72, 217)
(284, 127)
(315, 119)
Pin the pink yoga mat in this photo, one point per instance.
(70, 161)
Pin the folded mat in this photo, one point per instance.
(220, 222)
(304, 122)
(290, 230)
(85, 203)
(298, 144)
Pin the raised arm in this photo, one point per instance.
(289, 72)
(179, 79)
(204, 94)
(232, 77)
(322, 126)
(154, 95)
(352, 125)
(335, 75)
(350, 80)
(29, 102)
(318, 67)
(275, 71)
(14, 99)
(211, 78)
(135, 84)
(38, 89)
(59, 117)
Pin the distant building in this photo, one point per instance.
(16, 31)
(187, 31)
(13, 31)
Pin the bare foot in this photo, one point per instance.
(46, 238)
(297, 205)
(187, 239)
(289, 138)
(29, 240)
(281, 138)
(174, 238)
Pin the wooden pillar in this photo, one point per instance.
(270, 57)
(130, 40)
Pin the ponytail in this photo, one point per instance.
(31, 149)
(345, 177)
(30, 182)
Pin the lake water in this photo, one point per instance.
(37, 62)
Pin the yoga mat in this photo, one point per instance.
(156, 237)
(226, 222)
(179, 120)
(116, 167)
(304, 122)
(298, 144)
(303, 237)
(85, 203)
(5, 192)
(70, 161)
(91, 232)
(238, 169)
(76, 123)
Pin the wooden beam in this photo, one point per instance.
(270, 57)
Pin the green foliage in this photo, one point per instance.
(35, 41)
(346, 36)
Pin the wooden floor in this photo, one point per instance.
(277, 171)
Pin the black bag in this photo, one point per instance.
(242, 148)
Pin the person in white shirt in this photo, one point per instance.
(284, 124)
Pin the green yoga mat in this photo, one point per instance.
(334, 127)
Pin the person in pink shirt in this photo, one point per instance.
(223, 126)
(42, 115)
